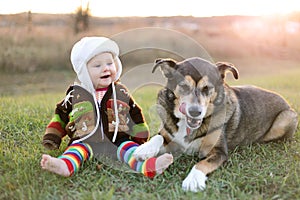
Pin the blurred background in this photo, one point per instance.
(36, 37)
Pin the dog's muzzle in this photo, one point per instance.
(193, 116)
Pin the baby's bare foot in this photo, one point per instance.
(163, 162)
(54, 165)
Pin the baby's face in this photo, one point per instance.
(102, 70)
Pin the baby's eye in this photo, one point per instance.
(97, 66)
(110, 63)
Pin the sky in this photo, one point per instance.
(197, 8)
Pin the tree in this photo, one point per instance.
(82, 18)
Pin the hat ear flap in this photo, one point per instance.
(119, 68)
(168, 67)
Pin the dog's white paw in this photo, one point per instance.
(195, 181)
(149, 149)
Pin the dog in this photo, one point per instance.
(202, 115)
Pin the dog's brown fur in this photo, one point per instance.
(216, 117)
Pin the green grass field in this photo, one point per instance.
(270, 171)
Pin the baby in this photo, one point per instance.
(99, 115)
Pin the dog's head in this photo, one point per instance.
(197, 85)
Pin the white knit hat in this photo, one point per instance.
(87, 48)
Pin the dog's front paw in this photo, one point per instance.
(195, 181)
(149, 149)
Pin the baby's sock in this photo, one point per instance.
(149, 167)
(75, 155)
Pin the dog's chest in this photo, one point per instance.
(187, 146)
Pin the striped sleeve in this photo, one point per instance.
(140, 132)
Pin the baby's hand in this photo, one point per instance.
(51, 141)
(48, 144)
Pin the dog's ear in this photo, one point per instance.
(167, 66)
(223, 67)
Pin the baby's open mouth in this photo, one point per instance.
(103, 77)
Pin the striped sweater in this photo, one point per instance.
(75, 116)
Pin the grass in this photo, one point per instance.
(270, 171)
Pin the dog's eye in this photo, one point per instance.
(205, 89)
(184, 86)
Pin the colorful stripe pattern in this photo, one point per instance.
(140, 130)
(75, 155)
(57, 123)
(125, 151)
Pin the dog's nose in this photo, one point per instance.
(194, 111)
